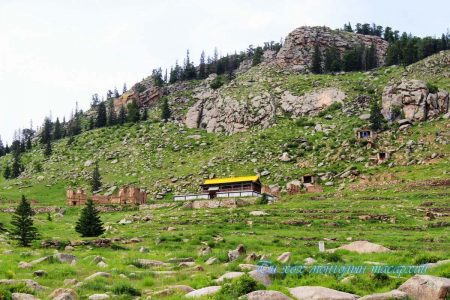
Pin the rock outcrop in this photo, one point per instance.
(362, 247)
(217, 113)
(425, 287)
(298, 48)
(413, 99)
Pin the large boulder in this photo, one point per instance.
(414, 100)
(362, 247)
(63, 294)
(236, 253)
(206, 291)
(23, 296)
(229, 276)
(266, 295)
(426, 287)
(65, 258)
(298, 47)
(320, 293)
(391, 295)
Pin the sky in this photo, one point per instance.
(56, 53)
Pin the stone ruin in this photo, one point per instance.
(127, 195)
(308, 184)
(365, 134)
(76, 197)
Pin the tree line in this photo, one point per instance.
(403, 49)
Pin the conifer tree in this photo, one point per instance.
(133, 112)
(2, 148)
(101, 115)
(332, 62)
(96, 180)
(316, 65)
(23, 232)
(144, 115)
(48, 149)
(376, 118)
(165, 110)
(7, 172)
(124, 88)
(257, 56)
(17, 167)
(202, 66)
(46, 131)
(122, 115)
(57, 132)
(112, 116)
(89, 224)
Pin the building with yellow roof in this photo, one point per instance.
(229, 187)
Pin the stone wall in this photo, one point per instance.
(298, 48)
(126, 195)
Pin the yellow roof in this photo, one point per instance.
(232, 179)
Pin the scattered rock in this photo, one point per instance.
(173, 289)
(258, 213)
(148, 263)
(65, 258)
(266, 295)
(23, 296)
(236, 253)
(206, 291)
(211, 260)
(362, 247)
(318, 292)
(39, 273)
(98, 297)
(144, 250)
(391, 295)
(98, 274)
(261, 277)
(309, 261)
(247, 267)
(423, 287)
(229, 276)
(63, 294)
(31, 284)
(284, 257)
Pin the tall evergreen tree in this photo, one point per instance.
(189, 71)
(116, 93)
(133, 112)
(89, 224)
(157, 77)
(57, 132)
(122, 115)
(7, 172)
(202, 66)
(348, 27)
(96, 180)
(333, 62)
(257, 56)
(112, 116)
(101, 115)
(316, 65)
(48, 149)
(124, 88)
(17, 167)
(376, 118)
(165, 110)
(2, 148)
(46, 131)
(22, 221)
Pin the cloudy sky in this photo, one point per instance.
(55, 53)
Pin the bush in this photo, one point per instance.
(335, 106)
(424, 259)
(125, 289)
(217, 82)
(238, 287)
(264, 199)
(301, 122)
(432, 88)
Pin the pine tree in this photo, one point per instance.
(24, 232)
(157, 77)
(257, 56)
(7, 172)
(57, 133)
(101, 115)
(202, 66)
(46, 131)
(116, 93)
(112, 116)
(17, 167)
(133, 112)
(2, 148)
(48, 149)
(376, 118)
(144, 115)
(333, 62)
(316, 66)
(124, 88)
(89, 224)
(122, 115)
(165, 110)
(96, 180)
(348, 27)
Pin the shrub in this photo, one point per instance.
(432, 88)
(125, 289)
(238, 287)
(331, 257)
(335, 106)
(264, 199)
(301, 122)
(217, 82)
(424, 259)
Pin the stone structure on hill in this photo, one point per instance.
(298, 48)
(127, 195)
(412, 100)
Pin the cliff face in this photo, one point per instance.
(298, 48)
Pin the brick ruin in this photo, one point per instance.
(127, 195)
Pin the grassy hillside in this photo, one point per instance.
(402, 204)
